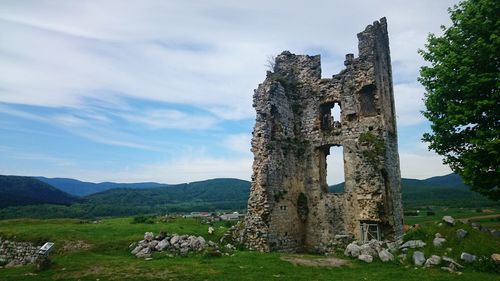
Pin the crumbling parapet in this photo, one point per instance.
(290, 207)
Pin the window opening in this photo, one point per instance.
(369, 231)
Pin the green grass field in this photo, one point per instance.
(108, 257)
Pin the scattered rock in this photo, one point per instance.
(452, 262)
(461, 233)
(149, 236)
(449, 220)
(392, 247)
(365, 258)
(175, 239)
(177, 244)
(418, 258)
(438, 235)
(385, 255)
(433, 260)
(144, 253)
(14, 253)
(352, 250)
(367, 249)
(438, 242)
(495, 258)
(210, 230)
(468, 257)
(413, 244)
(162, 245)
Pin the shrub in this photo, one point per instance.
(143, 219)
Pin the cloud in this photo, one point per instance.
(422, 166)
(75, 125)
(409, 103)
(239, 143)
(171, 119)
(38, 157)
(206, 55)
(127, 73)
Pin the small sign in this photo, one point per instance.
(46, 248)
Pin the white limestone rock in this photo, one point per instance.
(385, 255)
(418, 258)
(365, 258)
(449, 220)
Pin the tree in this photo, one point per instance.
(462, 94)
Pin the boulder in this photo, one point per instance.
(452, 262)
(495, 232)
(201, 242)
(392, 247)
(152, 244)
(433, 260)
(461, 233)
(413, 244)
(495, 258)
(365, 258)
(174, 239)
(418, 258)
(449, 220)
(210, 230)
(385, 255)
(144, 253)
(438, 242)
(468, 257)
(367, 249)
(137, 249)
(352, 250)
(162, 245)
(148, 236)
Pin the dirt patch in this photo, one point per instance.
(314, 261)
(78, 245)
(464, 220)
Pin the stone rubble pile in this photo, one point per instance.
(174, 244)
(14, 254)
(386, 251)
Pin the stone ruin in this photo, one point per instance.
(290, 206)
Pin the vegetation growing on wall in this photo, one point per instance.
(374, 147)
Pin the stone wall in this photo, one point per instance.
(290, 208)
(17, 253)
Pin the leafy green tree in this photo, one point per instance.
(462, 94)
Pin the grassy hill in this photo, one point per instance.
(447, 190)
(231, 194)
(83, 188)
(19, 191)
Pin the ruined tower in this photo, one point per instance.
(290, 207)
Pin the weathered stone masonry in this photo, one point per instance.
(290, 207)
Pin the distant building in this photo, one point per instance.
(198, 215)
(231, 217)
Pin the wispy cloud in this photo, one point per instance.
(171, 119)
(149, 75)
(239, 143)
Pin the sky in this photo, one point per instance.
(132, 91)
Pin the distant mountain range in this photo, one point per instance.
(117, 199)
(18, 191)
(83, 188)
